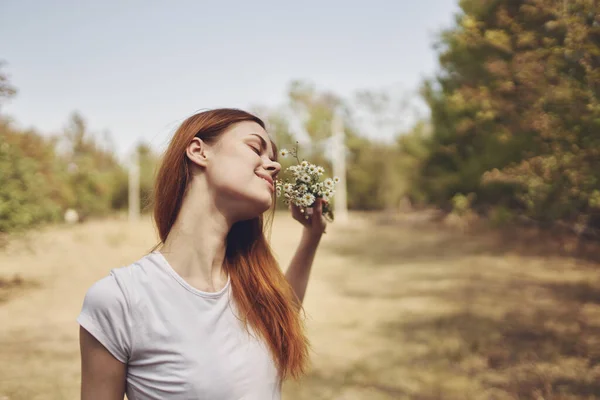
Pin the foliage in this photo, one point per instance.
(515, 110)
(43, 176)
(32, 179)
(93, 171)
(6, 89)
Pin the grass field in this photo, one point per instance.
(398, 308)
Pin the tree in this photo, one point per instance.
(148, 163)
(515, 110)
(7, 91)
(32, 184)
(94, 172)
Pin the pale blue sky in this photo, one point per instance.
(138, 68)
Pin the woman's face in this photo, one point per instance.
(240, 171)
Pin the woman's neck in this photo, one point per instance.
(195, 247)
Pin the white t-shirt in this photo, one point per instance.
(178, 342)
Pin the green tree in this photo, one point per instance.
(7, 91)
(33, 187)
(94, 173)
(515, 110)
(314, 108)
(148, 163)
(412, 151)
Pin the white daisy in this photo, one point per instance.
(283, 152)
(294, 169)
(308, 198)
(305, 178)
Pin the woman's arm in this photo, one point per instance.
(298, 272)
(102, 375)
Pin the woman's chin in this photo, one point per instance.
(266, 204)
(259, 206)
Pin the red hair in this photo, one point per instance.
(260, 290)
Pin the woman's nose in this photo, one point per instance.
(273, 167)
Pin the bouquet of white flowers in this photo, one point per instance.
(302, 185)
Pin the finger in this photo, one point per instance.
(295, 210)
(319, 206)
(297, 213)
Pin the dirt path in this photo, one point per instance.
(396, 310)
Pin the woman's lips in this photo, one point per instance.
(268, 183)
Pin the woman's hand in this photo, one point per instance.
(311, 218)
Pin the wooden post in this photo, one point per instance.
(339, 168)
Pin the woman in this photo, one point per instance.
(207, 314)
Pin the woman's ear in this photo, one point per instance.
(197, 152)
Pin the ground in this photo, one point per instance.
(398, 307)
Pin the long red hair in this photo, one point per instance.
(260, 290)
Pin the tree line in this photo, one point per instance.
(42, 176)
(513, 131)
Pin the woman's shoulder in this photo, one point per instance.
(120, 283)
(134, 272)
(109, 308)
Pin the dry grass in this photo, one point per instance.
(398, 308)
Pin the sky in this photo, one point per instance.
(138, 68)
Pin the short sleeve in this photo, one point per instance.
(106, 315)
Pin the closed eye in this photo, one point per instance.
(263, 144)
(257, 151)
